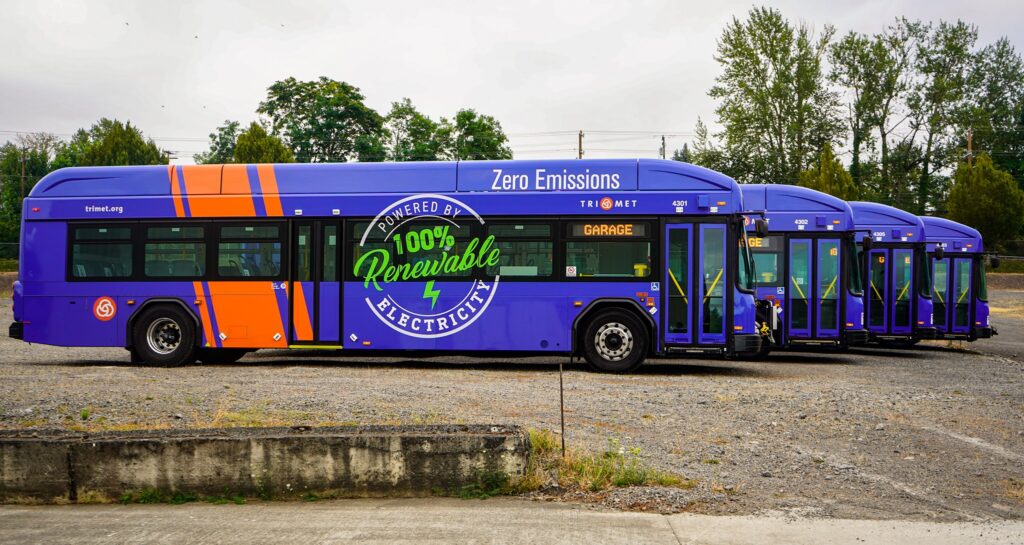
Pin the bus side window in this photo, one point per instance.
(249, 251)
(101, 252)
(525, 249)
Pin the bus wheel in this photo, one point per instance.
(614, 342)
(164, 335)
(220, 355)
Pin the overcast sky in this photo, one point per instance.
(177, 69)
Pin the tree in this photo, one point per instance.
(412, 135)
(222, 145)
(994, 113)
(706, 153)
(829, 176)
(854, 69)
(683, 154)
(323, 120)
(775, 107)
(109, 143)
(987, 199)
(942, 64)
(32, 156)
(254, 145)
(472, 136)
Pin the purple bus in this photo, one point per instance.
(613, 260)
(807, 268)
(959, 295)
(897, 296)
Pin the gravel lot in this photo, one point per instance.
(935, 433)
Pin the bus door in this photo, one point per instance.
(695, 275)
(878, 287)
(316, 283)
(798, 291)
(960, 290)
(903, 291)
(828, 288)
(678, 276)
(940, 293)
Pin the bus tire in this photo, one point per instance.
(614, 341)
(220, 355)
(164, 335)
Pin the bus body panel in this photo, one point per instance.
(536, 315)
(960, 312)
(897, 294)
(818, 304)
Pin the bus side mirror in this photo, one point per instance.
(994, 260)
(761, 228)
(867, 243)
(940, 253)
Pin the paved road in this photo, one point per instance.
(428, 521)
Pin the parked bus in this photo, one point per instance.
(807, 268)
(897, 296)
(959, 295)
(613, 260)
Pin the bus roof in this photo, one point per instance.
(240, 190)
(952, 235)
(794, 208)
(885, 223)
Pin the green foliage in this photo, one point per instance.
(323, 120)
(222, 145)
(472, 136)
(110, 143)
(987, 199)
(33, 156)
(254, 145)
(829, 176)
(487, 484)
(775, 107)
(683, 154)
(412, 135)
(943, 59)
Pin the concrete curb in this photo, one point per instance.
(356, 461)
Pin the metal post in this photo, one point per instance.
(579, 146)
(561, 403)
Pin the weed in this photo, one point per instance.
(84, 414)
(711, 462)
(487, 484)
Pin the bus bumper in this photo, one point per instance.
(17, 330)
(855, 337)
(984, 332)
(926, 333)
(746, 344)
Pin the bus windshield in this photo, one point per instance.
(745, 278)
(853, 259)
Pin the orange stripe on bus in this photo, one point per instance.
(179, 208)
(247, 314)
(204, 314)
(268, 185)
(200, 181)
(300, 317)
(236, 193)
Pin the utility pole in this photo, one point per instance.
(663, 146)
(579, 146)
(23, 151)
(970, 149)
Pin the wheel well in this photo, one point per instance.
(599, 305)
(158, 302)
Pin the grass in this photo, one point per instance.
(8, 264)
(1014, 490)
(618, 466)
(1005, 266)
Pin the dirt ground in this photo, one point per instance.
(934, 433)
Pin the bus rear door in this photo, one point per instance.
(315, 285)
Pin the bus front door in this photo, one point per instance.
(827, 288)
(696, 279)
(960, 291)
(315, 286)
(940, 292)
(878, 287)
(903, 291)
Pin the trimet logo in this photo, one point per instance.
(607, 203)
(411, 244)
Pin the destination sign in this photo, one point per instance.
(609, 230)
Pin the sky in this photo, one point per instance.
(623, 72)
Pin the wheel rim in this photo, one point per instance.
(163, 336)
(613, 341)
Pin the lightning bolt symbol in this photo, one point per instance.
(430, 293)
